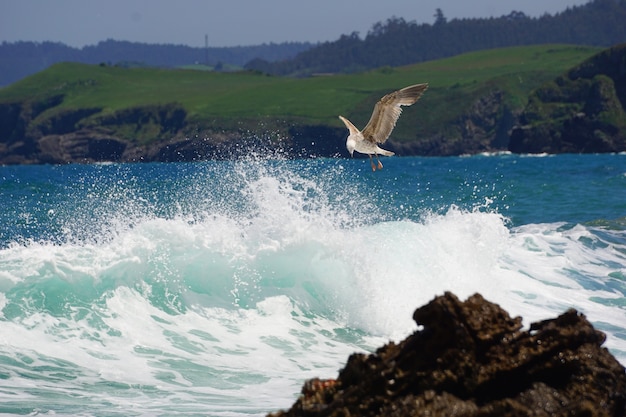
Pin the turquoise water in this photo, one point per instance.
(217, 288)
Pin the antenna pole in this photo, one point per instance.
(206, 50)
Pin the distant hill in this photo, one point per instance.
(398, 42)
(20, 59)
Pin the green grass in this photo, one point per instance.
(226, 98)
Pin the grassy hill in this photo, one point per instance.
(94, 95)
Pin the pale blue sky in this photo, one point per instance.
(232, 22)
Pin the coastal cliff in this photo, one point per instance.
(472, 359)
(142, 133)
(75, 113)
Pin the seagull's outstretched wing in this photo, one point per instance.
(388, 110)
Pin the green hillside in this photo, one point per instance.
(254, 101)
(208, 95)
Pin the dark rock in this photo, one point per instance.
(17, 145)
(581, 111)
(472, 359)
(63, 121)
(80, 146)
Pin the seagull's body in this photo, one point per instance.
(383, 120)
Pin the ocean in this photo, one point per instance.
(217, 288)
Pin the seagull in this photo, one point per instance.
(383, 120)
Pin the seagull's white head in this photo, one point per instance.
(351, 144)
(352, 137)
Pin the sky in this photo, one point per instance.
(232, 22)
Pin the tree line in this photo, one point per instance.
(398, 42)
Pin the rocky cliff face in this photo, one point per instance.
(36, 132)
(579, 112)
(472, 359)
(155, 133)
(483, 127)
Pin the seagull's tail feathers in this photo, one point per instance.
(349, 125)
(384, 152)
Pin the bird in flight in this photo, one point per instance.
(383, 120)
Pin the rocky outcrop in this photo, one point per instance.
(582, 111)
(150, 133)
(81, 146)
(472, 359)
(483, 127)
(84, 135)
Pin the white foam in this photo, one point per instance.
(247, 298)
